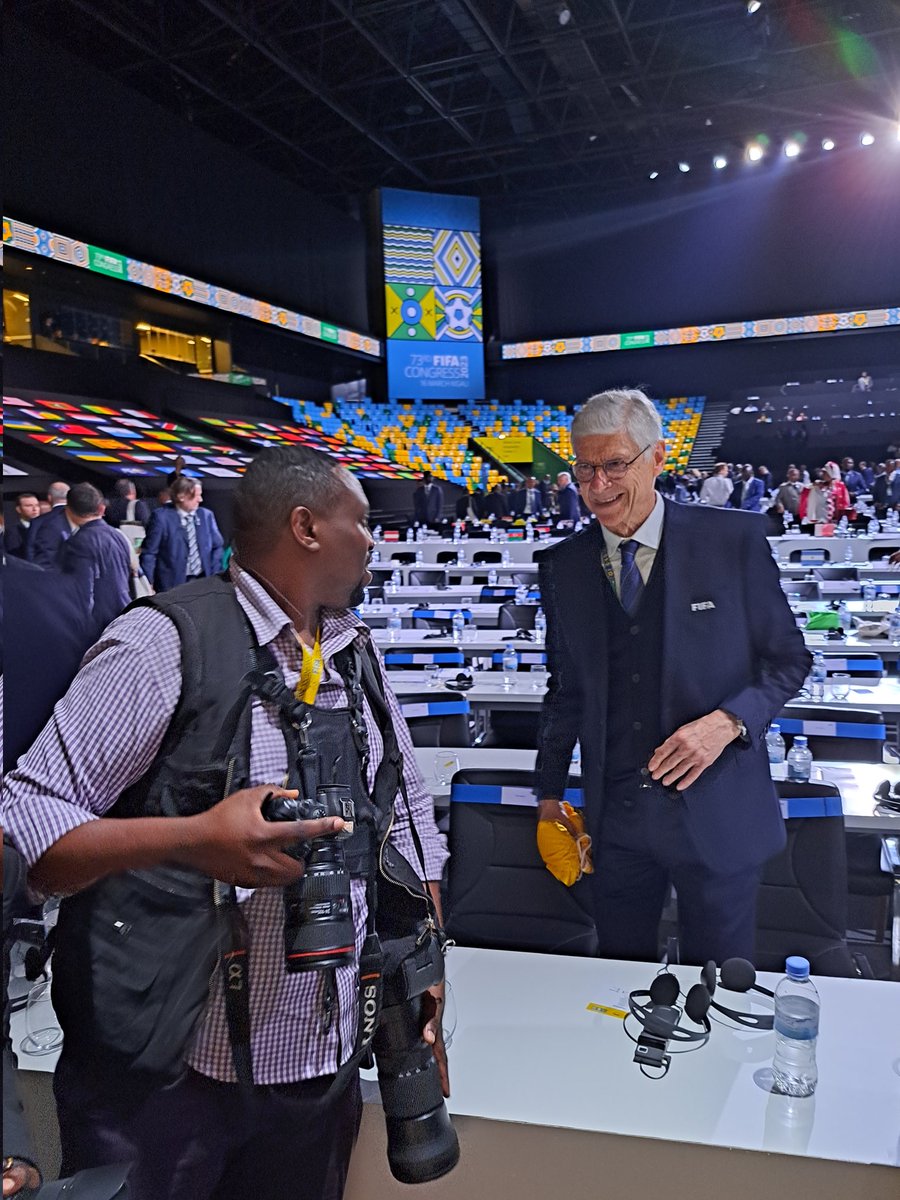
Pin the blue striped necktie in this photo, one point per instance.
(194, 562)
(631, 586)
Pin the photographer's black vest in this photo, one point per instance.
(134, 951)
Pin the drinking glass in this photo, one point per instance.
(433, 675)
(840, 686)
(43, 1034)
(445, 767)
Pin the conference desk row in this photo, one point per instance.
(857, 781)
(547, 1101)
(790, 546)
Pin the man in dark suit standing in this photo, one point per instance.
(428, 501)
(183, 540)
(671, 647)
(96, 555)
(18, 535)
(526, 500)
(124, 505)
(50, 529)
(569, 509)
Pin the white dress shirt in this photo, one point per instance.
(649, 535)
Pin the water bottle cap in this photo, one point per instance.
(800, 739)
(774, 727)
(797, 967)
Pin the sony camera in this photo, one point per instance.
(318, 918)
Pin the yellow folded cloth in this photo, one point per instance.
(566, 855)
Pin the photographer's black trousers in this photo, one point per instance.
(204, 1140)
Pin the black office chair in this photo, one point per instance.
(516, 616)
(403, 556)
(805, 589)
(415, 660)
(375, 591)
(859, 733)
(438, 618)
(802, 903)
(835, 574)
(524, 578)
(499, 893)
(487, 556)
(494, 591)
(447, 556)
(859, 665)
(437, 719)
(426, 578)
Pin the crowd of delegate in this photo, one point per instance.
(677, 783)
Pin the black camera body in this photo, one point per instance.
(318, 918)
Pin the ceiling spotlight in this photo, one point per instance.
(592, 137)
(684, 167)
(753, 6)
(827, 143)
(720, 162)
(564, 14)
(866, 139)
(755, 151)
(791, 148)
(654, 175)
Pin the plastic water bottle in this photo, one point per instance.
(843, 525)
(874, 527)
(376, 533)
(848, 550)
(540, 626)
(420, 556)
(799, 761)
(396, 579)
(845, 617)
(505, 556)
(492, 578)
(395, 624)
(869, 592)
(510, 666)
(817, 677)
(775, 744)
(796, 1031)
(458, 623)
(461, 555)
(457, 532)
(894, 627)
(529, 531)
(375, 556)
(576, 755)
(410, 535)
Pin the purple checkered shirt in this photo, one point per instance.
(103, 736)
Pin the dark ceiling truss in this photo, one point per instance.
(497, 97)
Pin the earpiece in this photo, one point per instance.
(648, 1006)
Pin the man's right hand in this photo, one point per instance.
(232, 841)
(551, 810)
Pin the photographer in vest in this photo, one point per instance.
(206, 1023)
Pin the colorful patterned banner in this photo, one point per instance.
(432, 274)
(20, 236)
(689, 335)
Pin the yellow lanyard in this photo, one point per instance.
(310, 672)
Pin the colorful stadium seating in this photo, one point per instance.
(430, 436)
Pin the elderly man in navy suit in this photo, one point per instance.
(183, 540)
(96, 555)
(569, 508)
(670, 649)
(50, 529)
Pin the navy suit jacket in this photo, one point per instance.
(744, 654)
(753, 492)
(17, 538)
(428, 509)
(98, 558)
(47, 532)
(117, 511)
(569, 509)
(164, 554)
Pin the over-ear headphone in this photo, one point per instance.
(662, 993)
(462, 682)
(888, 796)
(735, 975)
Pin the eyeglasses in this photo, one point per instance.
(613, 468)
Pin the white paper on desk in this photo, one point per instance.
(613, 1002)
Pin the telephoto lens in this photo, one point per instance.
(318, 918)
(422, 1143)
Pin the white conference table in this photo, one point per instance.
(520, 551)
(548, 1102)
(883, 544)
(857, 781)
(459, 595)
(485, 615)
(527, 689)
(381, 569)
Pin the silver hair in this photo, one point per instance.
(57, 491)
(624, 408)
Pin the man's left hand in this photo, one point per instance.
(691, 749)
(433, 1032)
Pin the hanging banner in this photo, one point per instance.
(432, 286)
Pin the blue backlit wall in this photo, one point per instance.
(432, 285)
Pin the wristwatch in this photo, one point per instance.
(742, 728)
